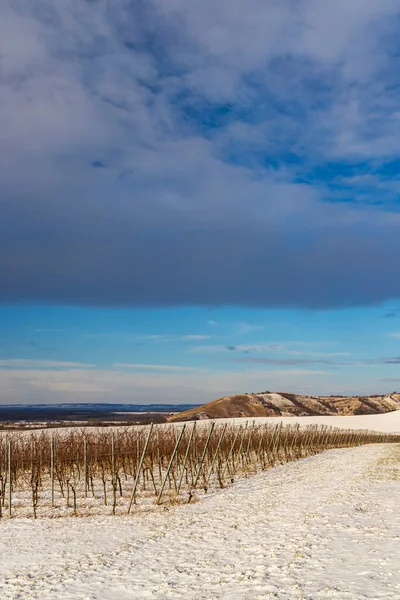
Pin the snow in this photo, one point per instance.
(322, 527)
(387, 422)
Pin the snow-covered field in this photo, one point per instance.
(323, 527)
(386, 423)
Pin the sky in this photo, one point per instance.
(198, 199)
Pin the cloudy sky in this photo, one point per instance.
(198, 198)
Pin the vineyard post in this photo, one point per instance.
(138, 451)
(303, 441)
(113, 473)
(297, 427)
(349, 437)
(216, 453)
(270, 445)
(186, 457)
(334, 437)
(9, 477)
(230, 453)
(202, 459)
(4, 482)
(322, 438)
(318, 434)
(52, 470)
(139, 467)
(325, 440)
(310, 440)
(249, 445)
(352, 439)
(275, 448)
(177, 458)
(170, 463)
(85, 469)
(159, 455)
(112, 458)
(242, 440)
(327, 436)
(319, 438)
(263, 428)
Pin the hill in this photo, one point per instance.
(282, 404)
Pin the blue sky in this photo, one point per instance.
(193, 354)
(207, 192)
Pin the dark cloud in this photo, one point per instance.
(104, 256)
(216, 189)
(392, 314)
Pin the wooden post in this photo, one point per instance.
(307, 441)
(216, 453)
(85, 469)
(159, 455)
(177, 460)
(276, 442)
(242, 440)
(112, 458)
(249, 445)
(230, 453)
(52, 470)
(263, 428)
(170, 463)
(297, 427)
(270, 446)
(139, 467)
(186, 457)
(9, 477)
(202, 459)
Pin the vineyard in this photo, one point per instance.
(126, 470)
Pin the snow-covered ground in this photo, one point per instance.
(323, 527)
(387, 422)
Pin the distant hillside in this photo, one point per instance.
(281, 404)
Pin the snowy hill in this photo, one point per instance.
(267, 404)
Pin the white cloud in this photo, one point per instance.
(316, 354)
(247, 327)
(50, 330)
(76, 385)
(154, 338)
(40, 363)
(195, 337)
(153, 367)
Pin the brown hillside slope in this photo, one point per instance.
(285, 405)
